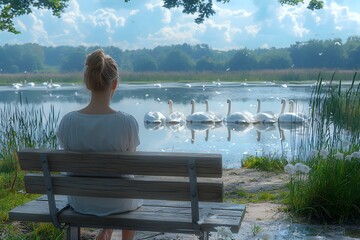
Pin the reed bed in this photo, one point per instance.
(329, 191)
(25, 126)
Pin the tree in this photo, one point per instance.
(12, 9)
(177, 61)
(243, 60)
(75, 61)
(204, 8)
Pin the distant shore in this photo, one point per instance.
(276, 76)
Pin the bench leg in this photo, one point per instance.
(73, 233)
(204, 236)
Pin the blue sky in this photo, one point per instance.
(146, 24)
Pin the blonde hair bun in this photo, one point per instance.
(101, 70)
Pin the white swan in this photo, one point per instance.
(292, 109)
(17, 85)
(289, 117)
(30, 84)
(174, 117)
(237, 117)
(154, 117)
(218, 118)
(198, 117)
(263, 117)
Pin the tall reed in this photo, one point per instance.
(335, 112)
(24, 125)
(330, 192)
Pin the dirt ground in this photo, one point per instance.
(260, 218)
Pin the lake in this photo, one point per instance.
(233, 142)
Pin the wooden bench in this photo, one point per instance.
(180, 191)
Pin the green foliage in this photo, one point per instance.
(330, 193)
(243, 60)
(321, 54)
(339, 105)
(313, 4)
(25, 126)
(265, 163)
(243, 197)
(12, 9)
(177, 61)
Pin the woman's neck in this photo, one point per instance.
(99, 104)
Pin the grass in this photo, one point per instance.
(25, 126)
(22, 126)
(329, 193)
(268, 163)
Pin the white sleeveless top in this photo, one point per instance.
(115, 132)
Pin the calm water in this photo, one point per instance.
(232, 142)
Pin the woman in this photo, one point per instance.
(98, 127)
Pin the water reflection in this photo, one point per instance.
(233, 141)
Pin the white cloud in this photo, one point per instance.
(293, 18)
(224, 12)
(253, 29)
(343, 16)
(265, 46)
(316, 18)
(38, 32)
(73, 16)
(134, 12)
(22, 26)
(180, 33)
(154, 4)
(167, 16)
(226, 26)
(107, 18)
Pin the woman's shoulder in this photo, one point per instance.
(126, 116)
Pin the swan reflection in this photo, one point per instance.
(199, 127)
(175, 127)
(153, 126)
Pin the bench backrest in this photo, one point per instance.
(165, 176)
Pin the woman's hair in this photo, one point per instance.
(101, 71)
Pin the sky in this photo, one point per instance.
(141, 24)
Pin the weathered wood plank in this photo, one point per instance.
(146, 218)
(136, 163)
(123, 188)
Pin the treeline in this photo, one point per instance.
(327, 54)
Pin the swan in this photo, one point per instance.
(237, 117)
(198, 117)
(174, 117)
(154, 117)
(289, 117)
(17, 85)
(292, 109)
(218, 118)
(263, 117)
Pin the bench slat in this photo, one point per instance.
(135, 163)
(123, 188)
(149, 217)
